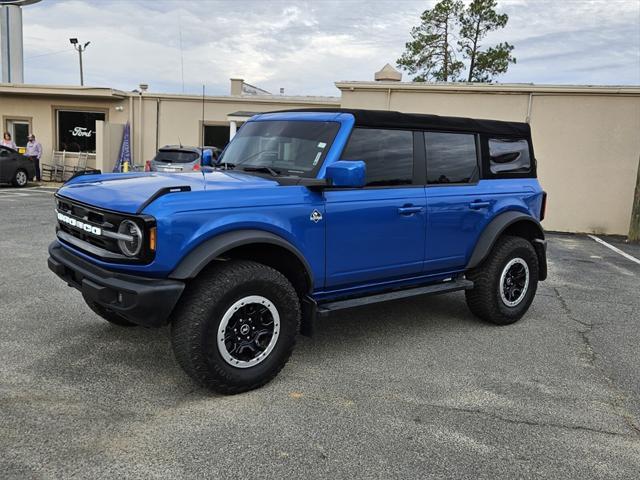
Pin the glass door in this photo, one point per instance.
(19, 130)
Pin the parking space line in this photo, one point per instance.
(36, 189)
(24, 193)
(615, 249)
(10, 193)
(47, 192)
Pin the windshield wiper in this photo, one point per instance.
(272, 171)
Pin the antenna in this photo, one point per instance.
(202, 144)
(179, 141)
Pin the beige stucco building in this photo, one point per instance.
(54, 113)
(586, 138)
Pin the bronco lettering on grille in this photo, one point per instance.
(78, 224)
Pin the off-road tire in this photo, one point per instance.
(485, 300)
(108, 315)
(20, 178)
(197, 318)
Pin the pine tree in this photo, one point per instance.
(478, 19)
(431, 55)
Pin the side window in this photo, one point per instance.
(451, 157)
(387, 153)
(509, 156)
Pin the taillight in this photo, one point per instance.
(147, 166)
(196, 167)
(543, 207)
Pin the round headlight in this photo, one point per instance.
(132, 247)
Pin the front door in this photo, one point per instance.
(376, 233)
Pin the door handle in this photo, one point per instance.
(409, 210)
(479, 204)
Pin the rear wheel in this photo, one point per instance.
(239, 335)
(108, 315)
(505, 283)
(20, 178)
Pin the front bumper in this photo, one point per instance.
(143, 301)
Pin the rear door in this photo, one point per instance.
(459, 205)
(376, 233)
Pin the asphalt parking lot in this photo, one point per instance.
(410, 389)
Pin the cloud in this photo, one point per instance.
(305, 46)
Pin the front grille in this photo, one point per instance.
(104, 243)
(100, 245)
(80, 211)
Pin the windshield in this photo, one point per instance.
(175, 156)
(287, 147)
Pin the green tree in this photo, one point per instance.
(476, 21)
(431, 53)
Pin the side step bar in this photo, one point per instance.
(324, 309)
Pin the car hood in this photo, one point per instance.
(130, 193)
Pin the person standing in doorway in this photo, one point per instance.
(7, 142)
(34, 152)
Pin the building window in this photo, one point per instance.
(216, 136)
(509, 156)
(77, 130)
(451, 157)
(387, 153)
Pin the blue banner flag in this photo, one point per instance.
(125, 150)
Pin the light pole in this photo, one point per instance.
(80, 48)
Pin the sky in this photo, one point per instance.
(304, 47)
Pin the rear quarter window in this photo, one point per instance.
(509, 156)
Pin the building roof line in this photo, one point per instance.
(110, 93)
(66, 90)
(521, 88)
(247, 98)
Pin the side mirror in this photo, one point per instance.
(346, 173)
(207, 157)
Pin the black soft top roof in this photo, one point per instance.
(421, 121)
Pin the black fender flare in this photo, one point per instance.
(191, 265)
(496, 227)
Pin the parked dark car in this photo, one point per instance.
(15, 168)
(181, 158)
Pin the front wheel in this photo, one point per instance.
(505, 283)
(235, 326)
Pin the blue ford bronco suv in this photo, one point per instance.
(308, 212)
